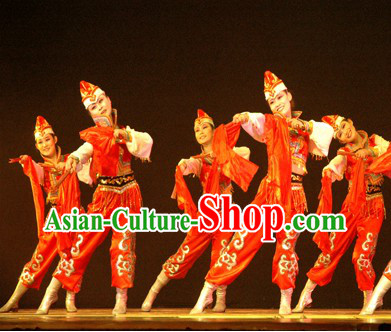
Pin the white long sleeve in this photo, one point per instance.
(242, 151)
(84, 152)
(381, 145)
(193, 166)
(337, 166)
(255, 126)
(141, 144)
(83, 172)
(320, 138)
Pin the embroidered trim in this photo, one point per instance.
(116, 189)
(116, 181)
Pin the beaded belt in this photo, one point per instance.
(116, 181)
(52, 205)
(296, 178)
(373, 189)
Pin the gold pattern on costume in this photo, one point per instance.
(324, 260)
(180, 258)
(287, 242)
(296, 177)
(227, 259)
(365, 264)
(75, 251)
(288, 265)
(332, 238)
(118, 181)
(373, 189)
(117, 189)
(123, 245)
(26, 276)
(239, 243)
(38, 259)
(124, 167)
(185, 250)
(223, 245)
(123, 265)
(368, 243)
(365, 261)
(299, 149)
(373, 196)
(66, 266)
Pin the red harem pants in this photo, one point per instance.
(195, 243)
(366, 226)
(123, 244)
(244, 245)
(387, 271)
(34, 271)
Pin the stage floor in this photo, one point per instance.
(179, 319)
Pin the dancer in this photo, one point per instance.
(289, 140)
(380, 165)
(62, 192)
(206, 167)
(110, 149)
(363, 209)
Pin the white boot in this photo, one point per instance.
(121, 300)
(305, 297)
(376, 299)
(160, 282)
(285, 301)
(220, 298)
(50, 297)
(70, 301)
(367, 296)
(12, 304)
(205, 299)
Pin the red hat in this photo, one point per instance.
(203, 117)
(89, 93)
(42, 128)
(334, 121)
(272, 85)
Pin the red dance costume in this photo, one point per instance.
(287, 152)
(195, 243)
(110, 167)
(63, 197)
(216, 169)
(383, 165)
(288, 141)
(364, 212)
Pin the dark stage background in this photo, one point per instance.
(159, 62)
